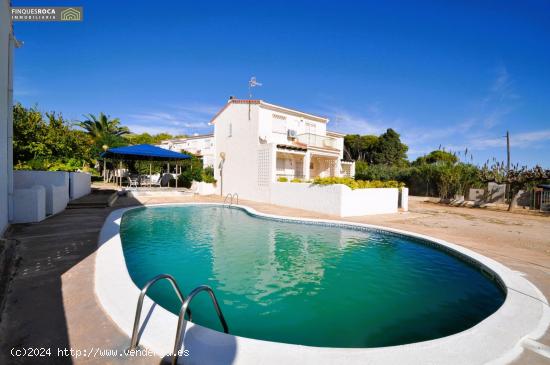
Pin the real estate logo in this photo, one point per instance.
(47, 14)
(71, 14)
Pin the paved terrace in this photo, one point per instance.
(51, 302)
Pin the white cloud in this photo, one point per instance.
(525, 139)
(500, 100)
(420, 135)
(174, 119)
(345, 121)
(139, 128)
(502, 87)
(476, 131)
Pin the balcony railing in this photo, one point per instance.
(316, 140)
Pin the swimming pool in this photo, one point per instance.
(309, 284)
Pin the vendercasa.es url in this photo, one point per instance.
(92, 352)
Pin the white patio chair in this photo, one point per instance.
(155, 180)
(132, 182)
(144, 180)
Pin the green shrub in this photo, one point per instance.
(357, 184)
(208, 175)
(442, 179)
(146, 167)
(70, 165)
(208, 179)
(196, 173)
(187, 177)
(296, 180)
(282, 179)
(363, 171)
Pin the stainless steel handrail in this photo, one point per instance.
(232, 195)
(227, 197)
(134, 341)
(181, 318)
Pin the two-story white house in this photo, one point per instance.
(202, 146)
(258, 143)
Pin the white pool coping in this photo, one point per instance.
(495, 340)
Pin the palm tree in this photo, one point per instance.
(103, 128)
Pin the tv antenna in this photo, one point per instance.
(252, 83)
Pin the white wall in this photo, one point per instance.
(240, 171)
(275, 130)
(204, 146)
(27, 179)
(339, 145)
(323, 199)
(55, 182)
(202, 188)
(29, 205)
(80, 184)
(337, 199)
(6, 132)
(404, 199)
(369, 201)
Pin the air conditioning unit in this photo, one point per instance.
(291, 134)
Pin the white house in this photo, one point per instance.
(6, 116)
(258, 143)
(202, 146)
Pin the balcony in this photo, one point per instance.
(315, 140)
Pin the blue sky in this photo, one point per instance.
(455, 74)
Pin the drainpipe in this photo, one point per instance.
(221, 179)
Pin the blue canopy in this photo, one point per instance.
(143, 152)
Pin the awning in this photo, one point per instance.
(143, 152)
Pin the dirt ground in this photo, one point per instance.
(51, 301)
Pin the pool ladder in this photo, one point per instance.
(229, 195)
(181, 318)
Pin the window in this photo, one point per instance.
(230, 129)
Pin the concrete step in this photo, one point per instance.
(96, 199)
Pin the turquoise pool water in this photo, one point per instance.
(305, 284)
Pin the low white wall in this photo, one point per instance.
(404, 199)
(203, 188)
(29, 205)
(369, 201)
(23, 178)
(56, 184)
(317, 198)
(337, 199)
(80, 184)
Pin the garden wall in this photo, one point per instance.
(336, 199)
(203, 188)
(56, 184)
(80, 184)
(317, 198)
